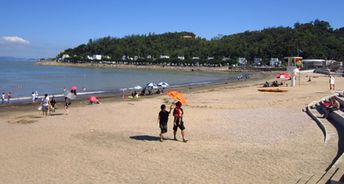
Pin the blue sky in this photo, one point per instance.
(43, 28)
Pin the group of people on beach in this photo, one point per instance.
(48, 105)
(3, 97)
(177, 121)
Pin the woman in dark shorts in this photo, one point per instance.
(163, 119)
(178, 121)
(68, 102)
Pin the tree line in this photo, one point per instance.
(316, 39)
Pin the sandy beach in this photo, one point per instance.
(236, 135)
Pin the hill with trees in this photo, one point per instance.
(316, 39)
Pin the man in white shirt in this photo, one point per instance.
(332, 82)
(33, 97)
(45, 105)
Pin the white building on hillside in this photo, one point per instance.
(65, 56)
(226, 58)
(181, 57)
(313, 63)
(97, 57)
(258, 61)
(242, 61)
(164, 57)
(195, 58)
(275, 62)
(210, 58)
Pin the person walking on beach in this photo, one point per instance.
(332, 82)
(67, 104)
(45, 105)
(3, 98)
(33, 97)
(162, 120)
(178, 121)
(36, 96)
(9, 96)
(53, 103)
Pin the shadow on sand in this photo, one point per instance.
(145, 138)
(56, 114)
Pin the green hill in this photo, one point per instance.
(316, 39)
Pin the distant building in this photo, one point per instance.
(124, 57)
(313, 63)
(65, 56)
(275, 62)
(149, 57)
(195, 58)
(181, 57)
(258, 61)
(210, 58)
(188, 36)
(97, 57)
(242, 61)
(225, 58)
(164, 57)
(107, 57)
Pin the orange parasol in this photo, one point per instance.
(177, 96)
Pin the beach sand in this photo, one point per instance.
(236, 135)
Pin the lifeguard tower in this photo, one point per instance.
(293, 68)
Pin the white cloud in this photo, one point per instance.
(14, 40)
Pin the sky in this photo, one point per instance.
(43, 28)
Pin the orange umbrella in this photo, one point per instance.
(177, 96)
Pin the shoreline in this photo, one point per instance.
(223, 69)
(108, 97)
(237, 76)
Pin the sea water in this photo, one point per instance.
(24, 77)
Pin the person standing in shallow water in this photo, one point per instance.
(3, 97)
(162, 120)
(178, 121)
(45, 105)
(9, 96)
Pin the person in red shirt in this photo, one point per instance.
(178, 121)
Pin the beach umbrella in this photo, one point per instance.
(137, 87)
(283, 76)
(155, 87)
(73, 88)
(177, 96)
(93, 99)
(163, 84)
(152, 85)
(71, 96)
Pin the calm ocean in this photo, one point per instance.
(24, 77)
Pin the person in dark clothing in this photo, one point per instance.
(143, 92)
(53, 103)
(163, 119)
